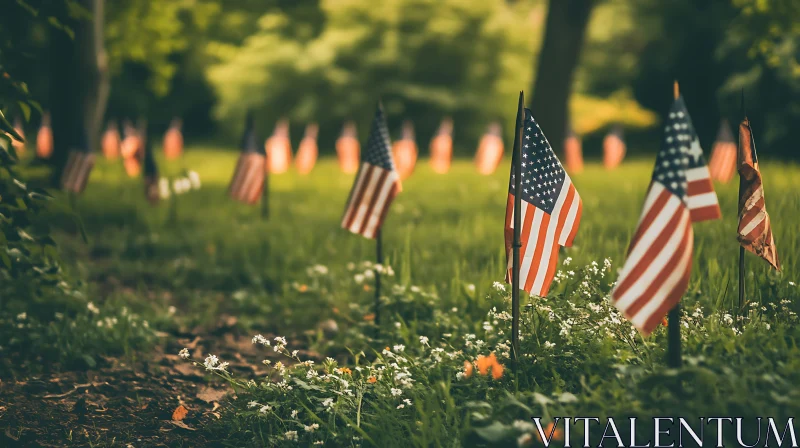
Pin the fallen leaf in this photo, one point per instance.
(179, 413)
(182, 425)
(209, 394)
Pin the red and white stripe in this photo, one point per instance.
(700, 195)
(659, 263)
(77, 170)
(374, 191)
(541, 235)
(723, 161)
(248, 178)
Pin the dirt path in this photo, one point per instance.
(124, 404)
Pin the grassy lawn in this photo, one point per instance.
(217, 270)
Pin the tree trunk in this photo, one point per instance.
(80, 85)
(564, 32)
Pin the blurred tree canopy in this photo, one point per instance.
(330, 60)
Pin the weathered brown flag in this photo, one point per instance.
(755, 231)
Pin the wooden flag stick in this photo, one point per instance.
(741, 248)
(379, 260)
(674, 317)
(517, 162)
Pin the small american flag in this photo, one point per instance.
(80, 162)
(550, 213)
(251, 169)
(376, 185)
(723, 155)
(755, 231)
(656, 272)
(613, 148)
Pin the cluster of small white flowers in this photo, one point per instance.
(499, 286)
(184, 353)
(163, 188)
(212, 363)
(92, 308)
(424, 341)
(396, 392)
(317, 270)
(311, 428)
(406, 402)
(291, 436)
(181, 185)
(328, 403)
(259, 339)
(264, 409)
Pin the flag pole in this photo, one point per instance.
(379, 260)
(265, 193)
(741, 248)
(674, 318)
(517, 162)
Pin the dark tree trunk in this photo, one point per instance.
(564, 32)
(79, 85)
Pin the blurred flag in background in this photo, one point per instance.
(307, 152)
(723, 155)
(442, 147)
(490, 150)
(279, 148)
(44, 138)
(250, 172)
(573, 152)
(405, 151)
(173, 140)
(613, 148)
(348, 149)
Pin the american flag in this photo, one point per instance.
(80, 162)
(251, 169)
(376, 185)
(723, 155)
(656, 272)
(613, 148)
(550, 213)
(755, 231)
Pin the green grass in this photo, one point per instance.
(444, 236)
(443, 232)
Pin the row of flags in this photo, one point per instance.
(130, 145)
(658, 264)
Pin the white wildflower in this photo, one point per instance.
(567, 261)
(311, 428)
(264, 409)
(93, 308)
(396, 392)
(194, 178)
(424, 340)
(524, 440)
(399, 348)
(549, 345)
(22, 316)
(499, 286)
(359, 278)
(291, 436)
(294, 413)
(280, 339)
(252, 404)
(163, 188)
(471, 288)
(184, 353)
(328, 402)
